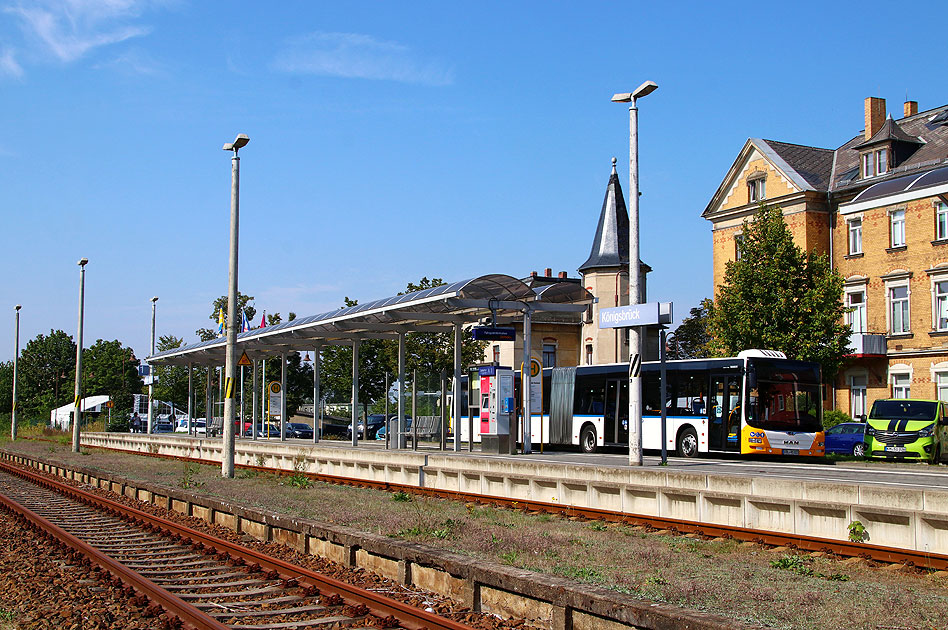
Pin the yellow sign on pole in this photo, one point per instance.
(244, 360)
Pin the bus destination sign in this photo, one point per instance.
(493, 333)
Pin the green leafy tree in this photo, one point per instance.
(172, 385)
(111, 369)
(691, 339)
(6, 387)
(244, 303)
(776, 296)
(336, 370)
(47, 370)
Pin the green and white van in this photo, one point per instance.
(908, 428)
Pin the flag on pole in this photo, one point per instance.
(220, 322)
(244, 324)
(263, 320)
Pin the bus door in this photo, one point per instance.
(724, 415)
(616, 416)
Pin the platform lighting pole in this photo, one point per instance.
(635, 342)
(16, 357)
(151, 377)
(77, 414)
(230, 366)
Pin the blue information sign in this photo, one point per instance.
(492, 333)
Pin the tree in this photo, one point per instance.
(47, 370)
(776, 296)
(691, 339)
(172, 385)
(220, 304)
(111, 369)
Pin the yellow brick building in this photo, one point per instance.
(878, 206)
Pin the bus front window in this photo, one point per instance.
(783, 399)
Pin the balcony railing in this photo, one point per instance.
(867, 345)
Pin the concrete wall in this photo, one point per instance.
(903, 518)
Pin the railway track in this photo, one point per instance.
(191, 579)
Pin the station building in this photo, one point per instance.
(878, 207)
(569, 339)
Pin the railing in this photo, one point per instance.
(868, 344)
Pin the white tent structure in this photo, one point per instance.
(61, 418)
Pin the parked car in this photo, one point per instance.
(907, 428)
(375, 422)
(380, 435)
(198, 425)
(335, 427)
(847, 438)
(162, 426)
(299, 430)
(269, 430)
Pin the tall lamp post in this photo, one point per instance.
(635, 342)
(151, 375)
(77, 414)
(16, 357)
(230, 364)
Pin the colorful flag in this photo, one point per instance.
(220, 322)
(263, 320)
(244, 324)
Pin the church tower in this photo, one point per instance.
(606, 275)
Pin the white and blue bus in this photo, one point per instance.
(757, 402)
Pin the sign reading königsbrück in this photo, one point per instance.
(627, 316)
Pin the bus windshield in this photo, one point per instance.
(784, 396)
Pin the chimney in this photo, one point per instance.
(875, 115)
(548, 272)
(562, 275)
(910, 108)
(533, 274)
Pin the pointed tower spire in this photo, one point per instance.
(610, 247)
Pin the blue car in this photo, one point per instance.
(846, 438)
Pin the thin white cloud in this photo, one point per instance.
(133, 62)
(354, 55)
(69, 29)
(8, 64)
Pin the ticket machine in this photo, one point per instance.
(498, 407)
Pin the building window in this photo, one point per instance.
(497, 355)
(897, 228)
(549, 355)
(899, 310)
(855, 236)
(901, 385)
(756, 190)
(875, 163)
(589, 354)
(941, 305)
(856, 318)
(941, 385)
(857, 395)
(941, 221)
(738, 246)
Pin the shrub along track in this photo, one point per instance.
(201, 581)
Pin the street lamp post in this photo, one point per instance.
(230, 365)
(77, 413)
(635, 342)
(151, 375)
(16, 357)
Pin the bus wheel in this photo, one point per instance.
(587, 439)
(687, 443)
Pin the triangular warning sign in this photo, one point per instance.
(244, 360)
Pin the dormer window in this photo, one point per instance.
(875, 163)
(756, 187)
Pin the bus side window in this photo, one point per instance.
(651, 393)
(589, 395)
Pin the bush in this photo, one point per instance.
(119, 426)
(833, 417)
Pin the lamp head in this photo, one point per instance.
(239, 143)
(643, 90)
(18, 307)
(154, 299)
(83, 262)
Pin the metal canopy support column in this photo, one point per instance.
(208, 409)
(190, 399)
(317, 425)
(355, 393)
(255, 405)
(526, 372)
(456, 386)
(400, 425)
(283, 397)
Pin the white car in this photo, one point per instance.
(198, 424)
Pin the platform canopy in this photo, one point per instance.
(437, 309)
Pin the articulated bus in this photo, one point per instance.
(757, 402)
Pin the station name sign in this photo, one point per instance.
(493, 333)
(646, 314)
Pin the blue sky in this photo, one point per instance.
(395, 140)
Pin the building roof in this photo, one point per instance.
(812, 164)
(610, 246)
(889, 132)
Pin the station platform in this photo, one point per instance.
(906, 510)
